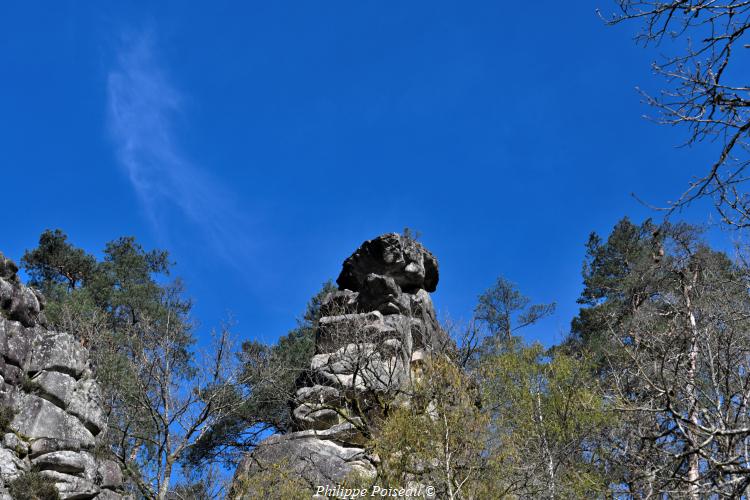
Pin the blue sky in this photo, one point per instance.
(262, 142)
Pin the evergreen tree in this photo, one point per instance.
(503, 309)
(616, 277)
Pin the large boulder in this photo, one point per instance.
(311, 456)
(37, 418)
(411, 265)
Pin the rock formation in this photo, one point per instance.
(373, 333)
(47, 388)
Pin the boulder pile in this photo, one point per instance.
(51, 404)
(373, 334)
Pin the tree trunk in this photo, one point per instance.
(693, 474)
(164, 487)
(447, 454)
(545, 444)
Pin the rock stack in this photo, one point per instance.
(52, 401)
(373, 333)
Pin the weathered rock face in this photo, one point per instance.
(372, 333)
(58, 413)
(407, 262)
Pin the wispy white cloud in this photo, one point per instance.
(142, 107)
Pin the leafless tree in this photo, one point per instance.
(707, 91)
(173, 398)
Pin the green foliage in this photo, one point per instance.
(126, 282)
(7, 413)
(617, 274)
(28, 385)
(58, 269)
(439, 438)
(274, 481)
(57, 262)
(500, 312)
(33, 486)
(526, 425)
(120, 290)
(547, 414)
(503, 309)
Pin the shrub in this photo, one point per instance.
(6, 417)
(28, 385)
(274, 480)
(33, 486)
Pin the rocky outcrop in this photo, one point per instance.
(48, 390)
(374, 331)
(411, 266)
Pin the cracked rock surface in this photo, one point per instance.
(58, 412)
